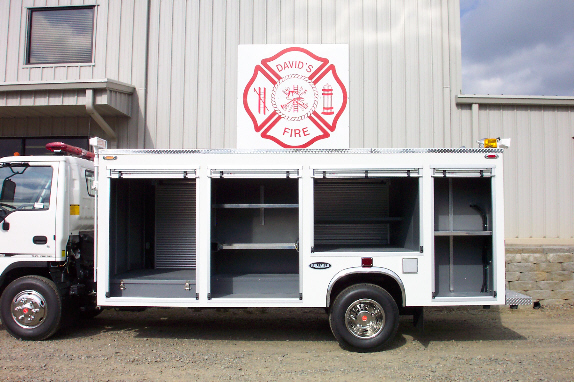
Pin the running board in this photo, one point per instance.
(514, 299)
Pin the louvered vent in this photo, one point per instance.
(175, 245)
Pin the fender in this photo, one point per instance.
(357, 270)
(23, 264)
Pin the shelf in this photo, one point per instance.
(257, 246)
(254, 205)
(463, 233)
(326, 220)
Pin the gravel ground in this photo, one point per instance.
(467, 344)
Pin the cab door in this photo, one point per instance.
(28, 209)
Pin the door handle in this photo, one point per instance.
(40, 240)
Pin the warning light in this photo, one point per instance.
(62, 148)
(490, 143)
(493, 143)
(16, 154)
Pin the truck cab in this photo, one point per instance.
(46, 240)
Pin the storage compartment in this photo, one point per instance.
(463, 236)
(367, 214)
(152, 238)
(254, 234)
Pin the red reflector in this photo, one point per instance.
(367, 262)
(491, 156)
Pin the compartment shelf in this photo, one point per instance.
(258, 246)
(463, 233)
(255, 205)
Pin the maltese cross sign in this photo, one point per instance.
(293, 96)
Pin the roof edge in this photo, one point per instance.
(466, 99)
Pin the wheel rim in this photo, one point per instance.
(365, 318)
(29, 309)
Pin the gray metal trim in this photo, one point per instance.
(366, 173)
(376, 270)
(462, 150)
(106, 83)
(514, 100)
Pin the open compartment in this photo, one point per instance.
(152, 238)
(367, 214)
(463, 234)
(254, 234)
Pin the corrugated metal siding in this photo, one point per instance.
(539, 166)
(405, 69)
(400, 63)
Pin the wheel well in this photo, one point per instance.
(20, 271)
(386, 282)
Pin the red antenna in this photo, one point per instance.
(60, 147)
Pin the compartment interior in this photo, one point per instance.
(463, 237)
(380, 214)
(152, 237)
(254, 234)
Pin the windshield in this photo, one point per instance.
(25, 187)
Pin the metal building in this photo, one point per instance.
(163, 74)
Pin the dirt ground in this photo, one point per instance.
(467, 344)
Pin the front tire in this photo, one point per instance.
(364, 317)
(31, 308)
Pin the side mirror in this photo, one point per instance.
(5, 226)
(8, 190)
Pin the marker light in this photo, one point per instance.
(366, 262)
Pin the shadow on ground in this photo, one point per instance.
(282, 324)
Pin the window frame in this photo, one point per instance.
(28, 35)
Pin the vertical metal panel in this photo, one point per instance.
(152, 82)
(191, 75)
(218, 62)
(356, 73)
(164, 75)
(177, 76)
(398, 96)
(126, 42)
(13, 47)
(370, 99)
(4, 30)
(231, 43)
(204, 74)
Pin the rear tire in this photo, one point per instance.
(364, 317)
(31, 308)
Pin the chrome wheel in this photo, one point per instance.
(365, 318)
(29, 309)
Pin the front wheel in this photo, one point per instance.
(364, 317)
(31, 308)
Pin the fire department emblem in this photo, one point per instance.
(295, 98)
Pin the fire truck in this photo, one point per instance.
(367, 234)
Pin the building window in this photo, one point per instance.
(37, 146)
(60, 35)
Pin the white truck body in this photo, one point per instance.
(300, 171)
(365, 233)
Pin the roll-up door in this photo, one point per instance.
(175, 214)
